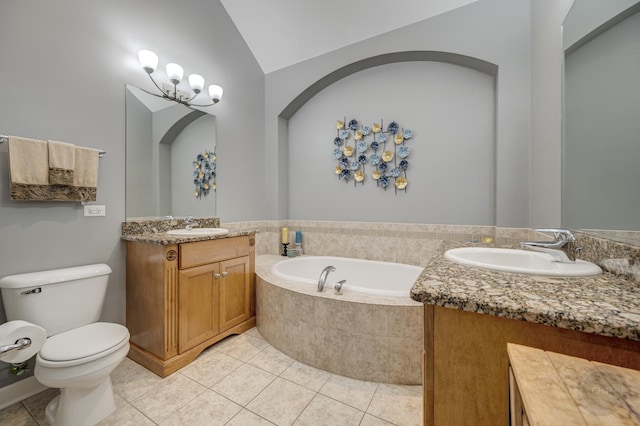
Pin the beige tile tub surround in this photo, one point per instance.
(353, 335)
(409, 243)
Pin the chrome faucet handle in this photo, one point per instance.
(338, 286)
(190, 223)
(559, 233)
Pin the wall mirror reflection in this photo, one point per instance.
(601, 125)
(163, 139)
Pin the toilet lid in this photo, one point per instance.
(84, 341)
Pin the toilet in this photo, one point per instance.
(80, 353)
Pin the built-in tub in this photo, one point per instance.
(373, 331)
(362, 276)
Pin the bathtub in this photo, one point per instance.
(373, 331)
(362, 276)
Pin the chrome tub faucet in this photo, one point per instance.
(563, 248)
(323, 277)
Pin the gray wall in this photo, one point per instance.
(601, 187)
(64, 69)
(139, 196)
(497, 31)
(546, 112)
(451, 176)
(193, 140)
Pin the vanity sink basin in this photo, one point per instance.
(520, 262)
(198, 232)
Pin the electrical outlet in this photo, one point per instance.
(95, 210)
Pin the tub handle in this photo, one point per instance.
(338, 286)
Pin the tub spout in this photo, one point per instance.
(323, 277)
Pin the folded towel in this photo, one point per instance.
(85, 172)
(61, 163)
(28, 161)
(29, 172)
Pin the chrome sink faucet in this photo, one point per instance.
(190, 222)
(563, 248)
(323, 277)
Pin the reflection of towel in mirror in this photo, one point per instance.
(61, 163)
(28, 161)
(85, 172)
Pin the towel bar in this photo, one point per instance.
(4, 138)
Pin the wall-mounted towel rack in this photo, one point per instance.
(4, 138)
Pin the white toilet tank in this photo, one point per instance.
(57, 300)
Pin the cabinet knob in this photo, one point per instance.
(216, 275)
(225, 273)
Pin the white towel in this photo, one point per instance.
(61, 163)
(28, 161)
(85, 171)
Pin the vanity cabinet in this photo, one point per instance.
(182, 298)
(212, 299)
(466, 364)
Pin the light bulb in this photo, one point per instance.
(148, 60)
(196, 82)
(174, 72)
(215, 92)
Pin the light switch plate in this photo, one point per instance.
(95, 210)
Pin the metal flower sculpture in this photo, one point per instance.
(370, 148)
(204, 174)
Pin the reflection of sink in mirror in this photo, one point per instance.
(520, 262)
(198, 232)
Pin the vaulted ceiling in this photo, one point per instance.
(281, 33)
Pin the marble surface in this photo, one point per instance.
(154, 230)
(561, 389)
(606, 304)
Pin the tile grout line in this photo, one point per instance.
(264, 345)
(29, 413)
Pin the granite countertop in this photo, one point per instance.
(154, 230)
(606, 304)
(162, 238)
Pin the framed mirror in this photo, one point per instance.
(601, 119)
(166, 143)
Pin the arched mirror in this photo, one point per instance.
(170, 158)
(601, 121)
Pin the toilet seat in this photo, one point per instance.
(83, 344)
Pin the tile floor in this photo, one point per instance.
(242, 381)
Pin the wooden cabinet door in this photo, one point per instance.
(198, 299)
(234, 292)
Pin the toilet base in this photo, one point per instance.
(82, 406)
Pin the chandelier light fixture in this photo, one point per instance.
(149, 62)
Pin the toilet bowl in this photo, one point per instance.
(79, 353)
(80, 362)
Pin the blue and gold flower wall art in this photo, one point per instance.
(204, 173)
(357, 145)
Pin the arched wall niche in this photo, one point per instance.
(314, 180)
(387, 58)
